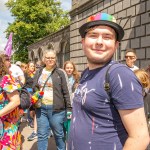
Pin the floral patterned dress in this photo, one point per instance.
(10, 137)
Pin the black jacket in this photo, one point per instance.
(61, 96)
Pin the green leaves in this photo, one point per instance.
(34, 19)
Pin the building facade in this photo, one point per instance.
(132, 15)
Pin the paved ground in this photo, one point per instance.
(32, 145)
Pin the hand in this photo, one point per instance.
(69, 115)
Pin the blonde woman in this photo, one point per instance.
(73, 75)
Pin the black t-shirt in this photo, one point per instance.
(29, 81)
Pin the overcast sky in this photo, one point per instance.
(5, 17)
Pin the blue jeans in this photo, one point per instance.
(46, 119)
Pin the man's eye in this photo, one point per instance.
(93, 35)
(107, 37)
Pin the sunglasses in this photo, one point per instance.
(130, 57)
(37, 66)
(7, 59)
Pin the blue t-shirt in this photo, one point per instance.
(96, 123)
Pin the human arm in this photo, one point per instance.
(65, 90)
(135, 124)
(22, 79)
(14, 102)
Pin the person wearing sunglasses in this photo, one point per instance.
(130, 57)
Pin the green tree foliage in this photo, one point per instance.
(34, 19)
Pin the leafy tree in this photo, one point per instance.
(34, 19)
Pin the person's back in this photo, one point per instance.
(17, 73)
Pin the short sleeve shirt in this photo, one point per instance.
(96, 123)
(16, 71)
(48, 89)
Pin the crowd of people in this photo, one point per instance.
(76, 108)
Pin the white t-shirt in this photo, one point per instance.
(134, 68)
(16, 71)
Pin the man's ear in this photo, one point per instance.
(82, 42)
(116, 45)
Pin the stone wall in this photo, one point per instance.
(56, 41)
(133, 15)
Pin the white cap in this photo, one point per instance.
(18, 63)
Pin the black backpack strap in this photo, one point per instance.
(107, 84)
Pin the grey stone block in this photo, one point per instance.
(145, 18)
(122, 14)
(148, 5)
(113, 2)
(140, 8)
(133, 2)
(144, 63)
(148, 53)
(80, 16)
(118, 7)
(100, 6)
(126, 4)
(129, 34)
(135, 21)
(73, 26)
(140, 53)
(135, 43)
(131, 11)
(148, 29)
(95, 9)
(106, 3)
(140, 31)
(111, 10)
(125, 44)
(145, 41)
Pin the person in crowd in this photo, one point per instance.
(56, 99)
(130, 57)
(39, 64)
(17, 73)
(29, 75)
(10, 137)
(18, 63)
(104, 119)
(73, 75)
(24, 67)
(144, 79)
(148, 71)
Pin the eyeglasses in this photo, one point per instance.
(52, 58)
(130, 57)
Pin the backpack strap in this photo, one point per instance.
(107, 77)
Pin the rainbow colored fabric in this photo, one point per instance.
(102, 16)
